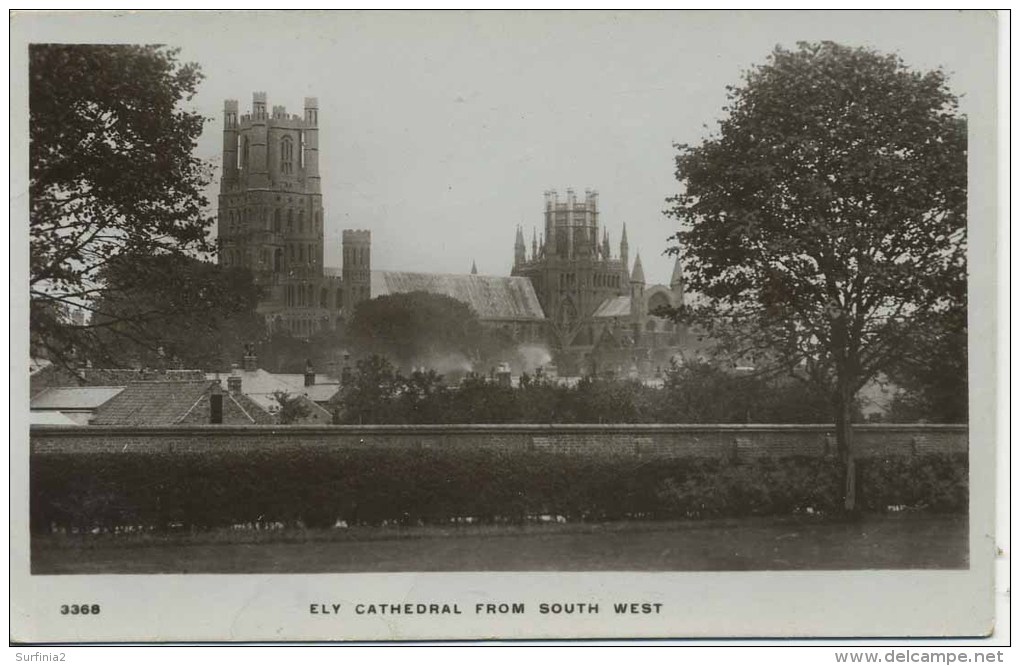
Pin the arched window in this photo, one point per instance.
(286, 155)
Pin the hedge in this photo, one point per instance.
(317, 487)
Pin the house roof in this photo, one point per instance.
(74, 397)
(49, 417)
(256, 412)
(152, 403)
(491, 297)
(260, 385)
(324, 388)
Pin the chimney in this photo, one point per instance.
(251, 361)
(309, 374)
(503, 374)
(234, 380)
(216, 404)
(345, 372)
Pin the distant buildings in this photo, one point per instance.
(155, 403)
(588, 305)
(263, 388)
(70, 405)
(247, 396)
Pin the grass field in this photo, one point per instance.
(893, 541)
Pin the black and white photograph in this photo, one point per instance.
(467, 324)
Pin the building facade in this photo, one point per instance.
(271, 218)
(599, 311)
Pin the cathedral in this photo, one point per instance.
(600, 312)
(571, 293)
(271, 219)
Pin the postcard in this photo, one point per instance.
(400, 326)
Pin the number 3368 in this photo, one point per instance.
(79, 609)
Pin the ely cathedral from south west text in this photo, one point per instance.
(569, 292)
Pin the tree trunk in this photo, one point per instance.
(844, 446)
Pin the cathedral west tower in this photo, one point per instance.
(271, 217)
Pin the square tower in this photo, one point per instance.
(270, 213)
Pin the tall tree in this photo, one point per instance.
(424, 329)
(825, 221)
(111, 173)
(932, 372)
(172, 310)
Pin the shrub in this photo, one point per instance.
(315, 487)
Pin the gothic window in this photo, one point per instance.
(276, 220)
(244, 153)
(286, 155)
(301, 252)
(290, 219)
(301, 221)
(278, 260)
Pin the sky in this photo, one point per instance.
(440, 131)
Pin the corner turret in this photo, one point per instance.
(676, 283)
(519, 249)
(637, 297)
(624, 248)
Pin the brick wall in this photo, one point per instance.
(646, 441)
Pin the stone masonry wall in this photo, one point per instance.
(644, 441)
